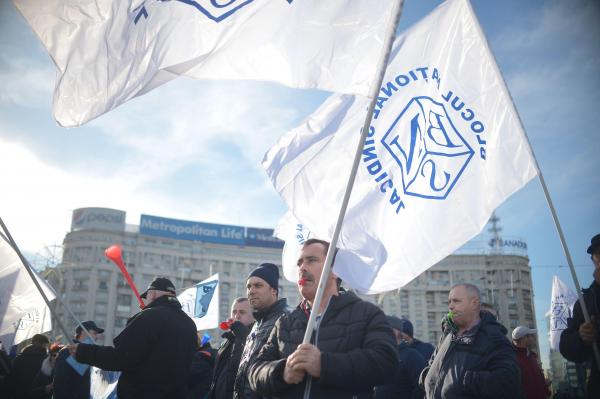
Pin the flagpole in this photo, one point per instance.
(542, 181)
(387, 47)
(27, 267)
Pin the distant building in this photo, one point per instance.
(188, 252)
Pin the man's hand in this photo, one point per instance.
(72, 349)
(588, 332)
(292, 375)
(306, 357)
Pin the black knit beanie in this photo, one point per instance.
(268, 272)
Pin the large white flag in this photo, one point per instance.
(561, 308)
(201, 303)
(22, 308)
(110, 51)
(445, 148)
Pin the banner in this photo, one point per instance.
(444, 149)
(561, 308)
(201, 303)
(109, 51)
(23, 311)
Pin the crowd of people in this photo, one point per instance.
(355, 350)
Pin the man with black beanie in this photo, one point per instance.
(262, 288)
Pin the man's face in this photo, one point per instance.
(596, 261)
(531, 341)
(242, 312)
(464, 308)
(260, 294)
(93, 334)
(310, 267)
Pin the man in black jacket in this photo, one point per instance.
(27, 365)
(262, 287)
(154, 351)
(230, 352)
(68, 383)
(577, 340)
(352, 346)
(474, 359)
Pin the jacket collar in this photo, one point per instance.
(277, 307)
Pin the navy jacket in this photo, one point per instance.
(572, 346)
(479, 364)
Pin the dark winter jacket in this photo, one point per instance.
(265, 321)
(44, 377)
(533, 383)
(68, 384)
(572, 346)
(425, 349)
(357, 352)
(228, 361)
(406, 381)
(154, 352)
(201, 373)
(25, 368)
(478, 364)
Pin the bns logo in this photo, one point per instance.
(431, 153)
(218, 10)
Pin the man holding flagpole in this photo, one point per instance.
(577, 340)
(351, 351)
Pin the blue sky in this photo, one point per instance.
(192, 149)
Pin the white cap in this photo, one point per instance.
(522, 331)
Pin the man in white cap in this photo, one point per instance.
(533, 383)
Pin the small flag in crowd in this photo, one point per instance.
(24, 312)
(201, 303)
(561, 308)
(109, 51)
(444, 149)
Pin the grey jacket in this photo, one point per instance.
(479, 364)
(265, 321)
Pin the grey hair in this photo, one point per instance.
(472, 290)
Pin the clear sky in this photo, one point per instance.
(192, 149)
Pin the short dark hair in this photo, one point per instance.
(40, 339)
(240, 299)
(326, 244)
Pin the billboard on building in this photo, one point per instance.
(208, 232)
(98, 218)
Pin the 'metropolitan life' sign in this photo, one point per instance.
(207, 232)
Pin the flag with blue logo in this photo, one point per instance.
(201, 303)
(561, 308)
(109, 51)
(444, 149)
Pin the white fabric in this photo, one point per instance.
(22, 308)
(110, 51)
(561, 308)
(397, 224)
(189, 303)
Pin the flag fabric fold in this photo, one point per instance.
(109, 51)
(561, 308)
(444, 149)
(23, 312)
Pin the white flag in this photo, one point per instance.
(110, 51)
(201, 303)
(445, 148)
(22, 308)
(561, 308)
(294, 234)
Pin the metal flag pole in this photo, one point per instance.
(8, 238)
(542, 181)
(387, 47)
(27, 267)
